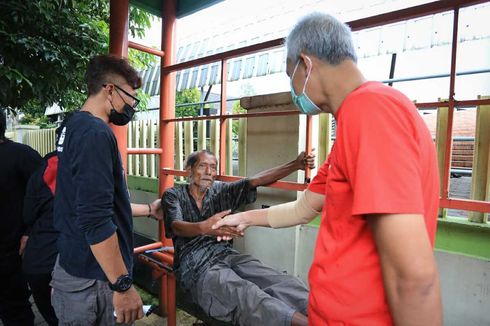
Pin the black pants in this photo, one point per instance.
(15, 308)
(41, 292)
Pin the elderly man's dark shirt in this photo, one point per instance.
(195, 255)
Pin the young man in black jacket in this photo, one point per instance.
(92, 211)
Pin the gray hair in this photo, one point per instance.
(194, 157)
(323, 36)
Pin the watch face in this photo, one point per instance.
(122, 284)
(125, 283)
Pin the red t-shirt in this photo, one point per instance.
(383, 161)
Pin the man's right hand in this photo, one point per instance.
(237, 220)
(128, 306)
(223, 233)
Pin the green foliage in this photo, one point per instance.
(41, 121)
(147, 297)
(140, 60)
(187, 96)
(45, 46)
(237, 109)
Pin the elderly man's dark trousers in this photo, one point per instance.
(241, 290)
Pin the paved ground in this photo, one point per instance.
(459, 188)
(183, 319)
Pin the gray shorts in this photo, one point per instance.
(243, 291)
(81, 302)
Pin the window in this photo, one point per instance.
(236, 68)
(215, 77)
(185, 80)
(202, 48)
(443, 28)
(278, 61)
(203, 78)
(249, 67)
(263, 61)
(155, 83)
(194, 50)
(193, 82)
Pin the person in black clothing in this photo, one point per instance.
(41, 251)
(17, 162)
(92, 277)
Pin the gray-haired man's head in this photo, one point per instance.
(323, 36)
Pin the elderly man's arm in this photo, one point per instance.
(409, 269)
(276, 173)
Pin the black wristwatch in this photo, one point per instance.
(122, 284)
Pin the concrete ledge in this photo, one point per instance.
(458, 236)
(259, 101)
(463, 237)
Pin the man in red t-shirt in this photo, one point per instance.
(379, 189)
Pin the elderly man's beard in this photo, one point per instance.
(203, 185)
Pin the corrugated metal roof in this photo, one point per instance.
(410, 35)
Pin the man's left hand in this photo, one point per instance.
(306, 160)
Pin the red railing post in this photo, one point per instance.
(118, 45)
(167, 111)
(167, 101)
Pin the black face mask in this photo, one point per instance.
(121, 119)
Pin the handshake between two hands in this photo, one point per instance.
(225, 226)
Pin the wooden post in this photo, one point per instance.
(179, 144)
(201, 135)
(229, 147)
(480, 175)
(188, 138)
(325, 139)
(143, 144)
(137, 137)
(214, 137)
(151, 144)
(441, 140)
(130, 144)
(242, 147)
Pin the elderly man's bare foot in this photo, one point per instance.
(299, 319)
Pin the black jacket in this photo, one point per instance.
(40, 253)
(17, 163)
(92, 198)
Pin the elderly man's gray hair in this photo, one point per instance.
(323, 36)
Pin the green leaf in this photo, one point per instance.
(45, 46)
